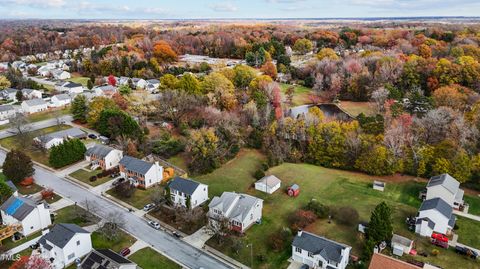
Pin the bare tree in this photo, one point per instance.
(220, 228)
(174, 105)
(114, 222)
(21, 129)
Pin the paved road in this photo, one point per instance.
(165, 243)
(37, 125)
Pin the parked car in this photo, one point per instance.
(124, 252)
(92, 136)
(148, 207)
(177, 235)
(466, 251)
(154, 224)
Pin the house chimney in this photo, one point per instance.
(300, 233)
(375, 249)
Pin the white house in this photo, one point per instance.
(60, 74)
(34, 106)
(434, 215)
(141, 173)
(44, 71)
(9, 94)
(446, 187)
(182, 190)
(60, 100)
(106, 259)
(268, 184)
(70, 87)
(152, 84)
(401, 245)
(31, 94)
(103, 156)
(319, 252)
(240, 210)
(139, 83)
(32, 216)
(64, 244)
(7, 112)
(105, 90)
(54, 139)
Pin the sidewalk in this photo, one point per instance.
(138, 245)
(466, 215)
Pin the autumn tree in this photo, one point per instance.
(96, 107)
(112, 80)
(303, 46)
(164, 53)
(269, 69)
(203, 147)
(327, 53)
(453, 96)
(4, 83)
(243, 76)
(17, 166)
(190, 84)
(169, 82)
(79, 108)
(175, 105)
(219, 90)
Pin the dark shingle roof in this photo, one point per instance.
(328, 249)
(446, 181)
(452, 221)
(439, 204)
(61, 234)
(99, 150)
(18, 207)
(113, 256)
(136, 165)
(183, 185)
(103, 259)
(70, 84)
(431, 224)
(72, 132)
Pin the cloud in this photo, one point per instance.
(224, 7)
(414, 5)
(34, 3)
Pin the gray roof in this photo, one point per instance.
(70, 84)
(240, 204)
(9, 90)
(136, 165)
(99, 150)
(6, 108)
(72, 132)
(270, 180)
(438, 204)
(186, 186)
(27, 91)
(35, 102)
(447, 181)
(63, 96)
(431, 224)
(18, 207)
(107, 88)
(328, 249)
(153, 81)
(61, 234)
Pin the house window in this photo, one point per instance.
(71, 256)
(320, 263)
(299, 250)
(78, 243)
(310, 254)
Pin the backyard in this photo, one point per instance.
(80, 80)
(300, 94)
(122, 241)
(50, 114)
(355, 108)
(148, 258)
(331, 187)
(139, 198)
(84, 175)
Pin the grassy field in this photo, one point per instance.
(73, 214)
(355, 108)
(148, 258)
(139, 198)
(124, 240)
(334, 188)
(300, 94)
(84, 176)
(474, 203)
(34, 153)
(81, 80)
(468, 232)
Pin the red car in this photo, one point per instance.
(124, 252)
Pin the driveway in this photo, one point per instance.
(199, 238)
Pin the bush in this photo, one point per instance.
(259, 174)
(301, 219)
(435, 252)
(70, 151)
(279, 240)
(319, 209)
(347, 215)
(265, 166)
(93, 178)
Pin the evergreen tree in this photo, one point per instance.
(79, 108)
(379, 228)
(89, 84)
(17, 166)
(68, 152)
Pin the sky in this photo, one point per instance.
(212, 9)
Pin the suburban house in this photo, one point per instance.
(106, 259)
(7, 112)
(380, 261)
(103, 156)
(184, 191)
(70, 87)
(434, 215)
(141, 173)
(34, 106)
(319, 252)
(64, 244)
(105, 90)
(31, 216)
(240, 210)
(44, 71)
(31, 94)
(60, 74)
(139, 83)
(60, 100)
(9, 94)
(446, 187)
(53, 139)
(268, 184)
(401, 245)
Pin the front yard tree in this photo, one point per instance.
(79, 108)
(96, 107)
(17, 166)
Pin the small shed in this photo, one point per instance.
(401, 245)
(378, 185)
(362, 227)
(293, 191)
(268, 184)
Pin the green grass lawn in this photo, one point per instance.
(34, 153)
(148, 258)
(300, 94)
(178, 160)
(81, 80)
(124, 240)
(9, 244)
(468, 232)
(74, 214)
(355, 108)
(139, 198)
(40, 116)
(474, 204)
(334, 188)
(84, 176)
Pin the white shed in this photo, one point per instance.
(268, 184)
